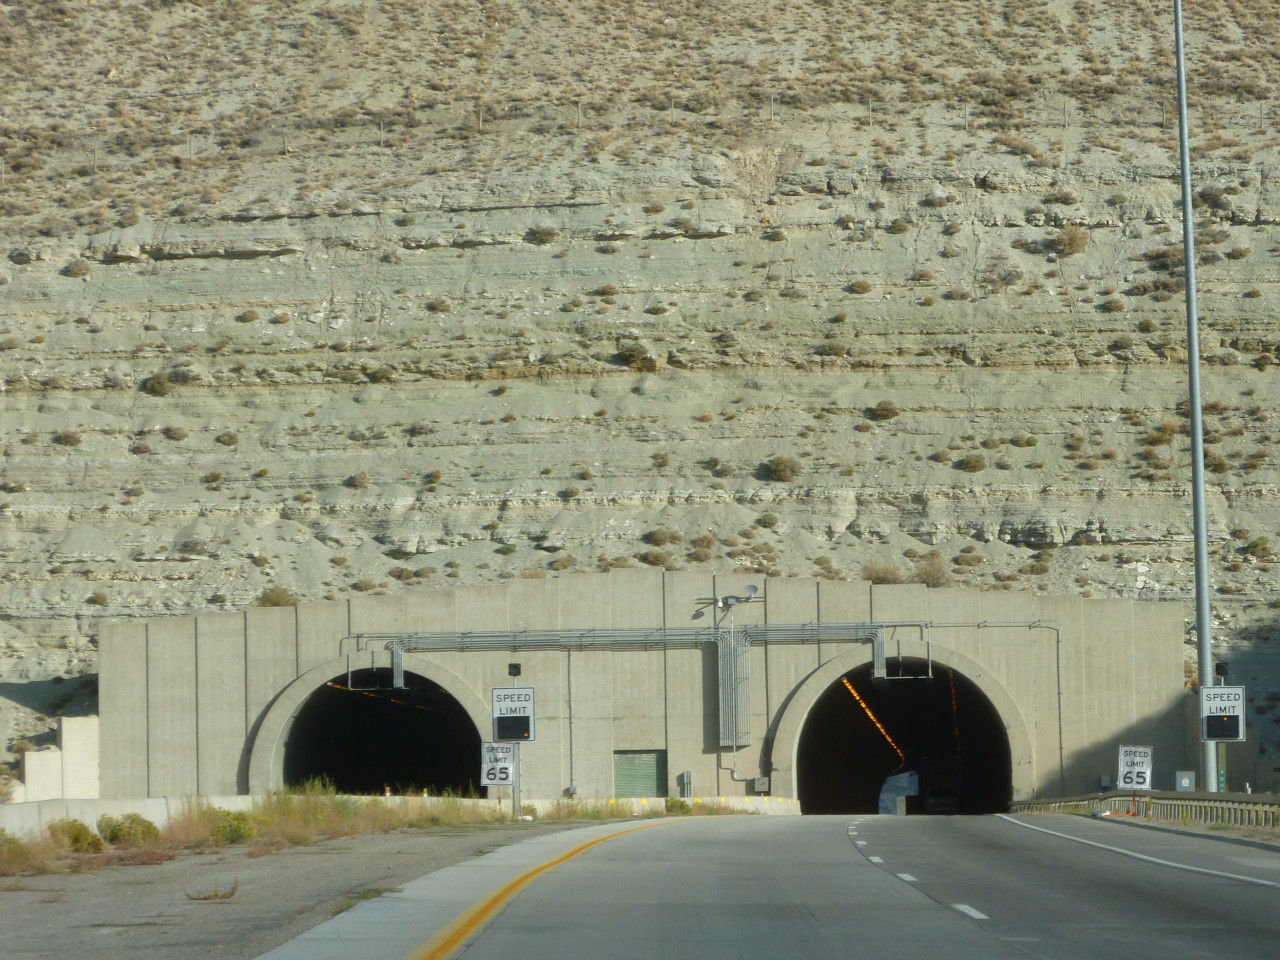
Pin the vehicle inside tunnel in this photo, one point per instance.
(925, 719)
(366, 736)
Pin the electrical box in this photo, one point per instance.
(760, 785)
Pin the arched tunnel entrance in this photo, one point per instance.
(369, 737)
(940, 727)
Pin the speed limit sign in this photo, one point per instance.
(1136, 768)
(497, 764)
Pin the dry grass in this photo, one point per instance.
(296, 817)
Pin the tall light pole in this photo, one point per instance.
(1204, 635)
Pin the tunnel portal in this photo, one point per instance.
(941, 727)
(367, 737)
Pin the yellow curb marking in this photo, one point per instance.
(453, 936)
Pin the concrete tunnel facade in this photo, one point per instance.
(205, 705)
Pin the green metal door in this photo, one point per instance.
(640, 773)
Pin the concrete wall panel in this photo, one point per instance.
(896, 601)
(690, 693)
(431, 611)
(533, 604)
(379, 614)
(220, 692)
(171, 707)
(271, 657)
(78, 745)
(586, 599)
(593, 713)
(1105, 650)
(634, 599)
(1052, 690)
(693, 719)
(321, 627)
(482, 607)
(640, 704)
(41, 775)
(841, 601)
(122, 674)
(786, 665)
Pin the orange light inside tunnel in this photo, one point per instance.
(371, 694)
(902, 759)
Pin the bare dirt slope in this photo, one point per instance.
(332, 297)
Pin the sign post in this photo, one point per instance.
(1136, 768)
(512, 726)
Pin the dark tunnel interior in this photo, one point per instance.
(948, 733)
(364, 740)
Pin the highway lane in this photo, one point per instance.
(1032, 881)
(817, 887)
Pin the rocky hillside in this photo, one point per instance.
(305, 298)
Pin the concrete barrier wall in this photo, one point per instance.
(26, 819)
(203, 705)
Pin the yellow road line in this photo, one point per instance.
(453, 936)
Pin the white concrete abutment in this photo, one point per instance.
(203, 704)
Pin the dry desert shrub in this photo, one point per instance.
(662, 536)
(128, 830)
(276, 597)
(780, 469)
(74, 836)
(878, 572)
(1072, 239)
(20, 857)
(157, 385)
(932, 572)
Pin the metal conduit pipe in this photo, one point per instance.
(733, 643)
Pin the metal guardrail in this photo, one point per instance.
(1229, 809)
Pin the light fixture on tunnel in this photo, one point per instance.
(727, 601)
(902, 757)
(731, 601)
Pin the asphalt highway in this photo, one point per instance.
(961, 888)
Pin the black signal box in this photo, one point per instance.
(511, 728)
(1222, 728)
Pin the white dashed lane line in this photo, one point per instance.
(861, 843)
(876, 859)
(907, 877)
(969, 911)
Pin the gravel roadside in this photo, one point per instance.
(171, 911)
(1255, 835)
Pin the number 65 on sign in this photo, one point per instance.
(1136, 768)
(497, 764)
